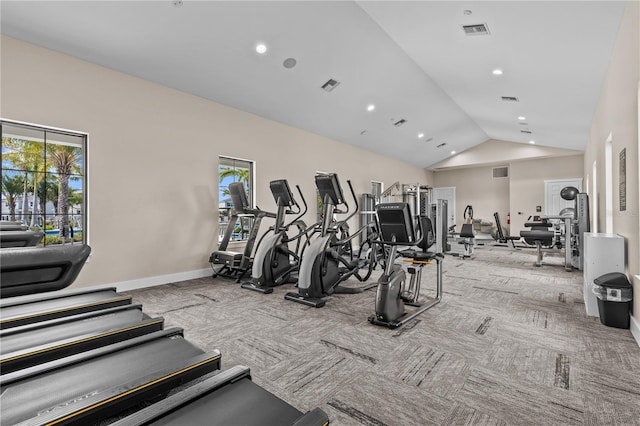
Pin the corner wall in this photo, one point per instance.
(153, 159)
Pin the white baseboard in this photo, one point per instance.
(159, 280)
(635, 328)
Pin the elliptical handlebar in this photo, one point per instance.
(300, 212)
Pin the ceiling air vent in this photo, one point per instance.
(528, 132)
(500, 172)
(476, 29)
(441, 145)
(510, 99)
(330, 85)
(399, 122)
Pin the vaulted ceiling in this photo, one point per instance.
(412, 60)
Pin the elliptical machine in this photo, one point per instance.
(272, 263)
(329, 259)
(396, 229)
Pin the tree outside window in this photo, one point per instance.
(233, 170)
(43, 180)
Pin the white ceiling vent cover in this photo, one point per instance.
(476, 29)
(501, 172)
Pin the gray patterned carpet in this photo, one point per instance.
(509, 344)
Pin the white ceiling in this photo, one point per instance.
(411, 59)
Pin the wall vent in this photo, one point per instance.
(510, 99)
(441, 145)
(476, 29)
(399, 122)
(501, 172)
(330, 85)
(528, 132)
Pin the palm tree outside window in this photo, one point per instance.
(43, 180)
(233, 170)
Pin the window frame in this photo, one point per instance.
(83, 144)
(251, 193)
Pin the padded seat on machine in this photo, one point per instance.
(540, 235)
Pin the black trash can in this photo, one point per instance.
(614, 293)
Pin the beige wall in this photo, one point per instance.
(526, 189)
(477, 187)
(153, 159)
(617, 114)
(521, 192)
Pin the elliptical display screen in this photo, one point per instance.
(328, 185)
(281, 192)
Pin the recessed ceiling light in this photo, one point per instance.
(371, 107)
(261, 48)
(453, 152)
(420, 135)
(522, 118)
(497, 71)
(532, 142)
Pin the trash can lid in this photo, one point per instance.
(613, 279)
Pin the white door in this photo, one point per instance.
(449, 194)
(553, 202)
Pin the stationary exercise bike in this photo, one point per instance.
(329, 260)
(274, 262)
(394, 293)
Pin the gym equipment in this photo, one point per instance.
(121, 376)
(58, 267)
(541, 235)
(396, 228)
(26, 346)
(235, 265)
(30, 309)
(570, 236)
(20, 238)
(501, 236)
(325, 263)
(227, 396)
(96, 367)
(272, 263)
(466, 232)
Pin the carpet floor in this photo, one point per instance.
(510, 343)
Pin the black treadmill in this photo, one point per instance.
(33, 344)
(92, 385)
(22, 310)
(229, 397)
(39, 269)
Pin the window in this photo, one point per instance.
(594, 198)
(608, 180)
(233, 170)
(376, 189)
(44, 180)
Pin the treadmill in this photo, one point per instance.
(92, 385)
(32, 344)
(23, 310)
(39, 269)
(229, 397)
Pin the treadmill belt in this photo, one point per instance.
(61, 387)
(11, 342)
(240, 403)
(15, 315)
